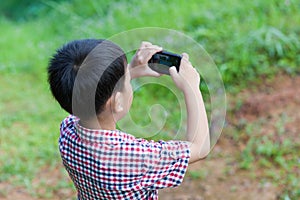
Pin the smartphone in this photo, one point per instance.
(162, 61)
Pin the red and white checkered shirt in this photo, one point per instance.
(105, 164)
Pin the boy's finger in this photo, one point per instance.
(146, 44)
(185, 56)
(156, 47)
(173, 72)
(155, 74)
(155, 50)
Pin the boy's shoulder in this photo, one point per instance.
(69, 120)
(70, 127)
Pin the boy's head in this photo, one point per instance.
(84, 74)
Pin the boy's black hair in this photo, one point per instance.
(83, 74)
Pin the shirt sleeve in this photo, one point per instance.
(166, 164)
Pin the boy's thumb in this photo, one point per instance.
(173, 71)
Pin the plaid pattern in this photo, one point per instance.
(107, 164)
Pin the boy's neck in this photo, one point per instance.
(99, 123)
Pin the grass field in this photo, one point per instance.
(247, 40)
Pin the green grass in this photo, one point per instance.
(29, 127)
(246, 40)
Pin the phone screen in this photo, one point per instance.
(162, 61)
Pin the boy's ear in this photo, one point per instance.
(118, 102)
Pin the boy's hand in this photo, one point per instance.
(139, 65)
(187, 79)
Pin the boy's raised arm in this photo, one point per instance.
(188, 80)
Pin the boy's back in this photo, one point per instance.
(106, 164)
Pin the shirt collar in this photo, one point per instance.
(98, 135)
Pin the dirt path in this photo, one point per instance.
(219, 176)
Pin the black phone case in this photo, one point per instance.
(162, 61)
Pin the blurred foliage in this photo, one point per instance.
(245, 40)
(21, 10)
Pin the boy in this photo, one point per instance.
(91, 80)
